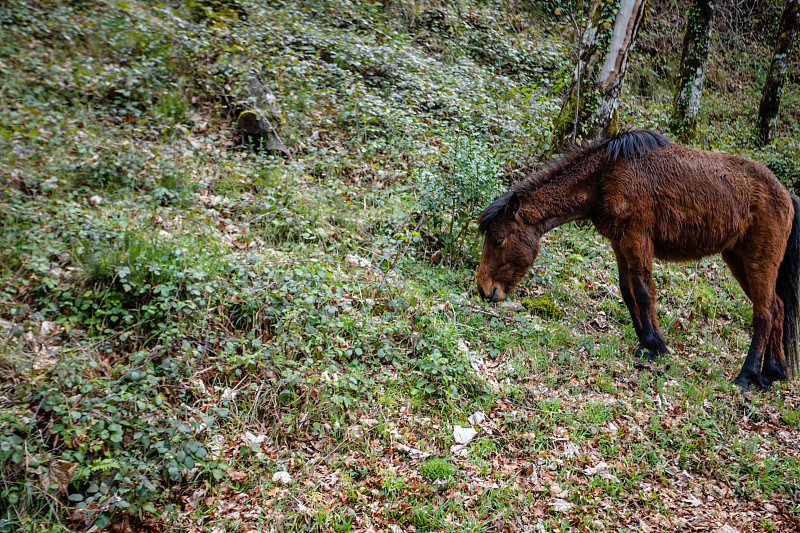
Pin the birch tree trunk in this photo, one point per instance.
(686, 104)
(773, 88)
(594, 94)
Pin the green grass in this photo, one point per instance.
(180, 319)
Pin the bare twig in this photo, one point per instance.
(644, 365)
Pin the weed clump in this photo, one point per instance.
(543, 307)
(437, 468)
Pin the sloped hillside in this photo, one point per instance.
(197, 336)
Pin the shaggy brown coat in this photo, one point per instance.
(653, 198)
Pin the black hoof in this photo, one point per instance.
(648, 354)
(772, 373)
(745, 381)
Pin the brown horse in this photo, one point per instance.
(653, 198)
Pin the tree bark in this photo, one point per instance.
(773, 88)
(686, 104)
(251, 104)
(594, 94)
(259, 118)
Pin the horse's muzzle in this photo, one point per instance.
(492, 296)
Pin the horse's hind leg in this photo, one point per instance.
(738, 271)
(752, 372)
(763, 318)
(766, 310)
(774, 368)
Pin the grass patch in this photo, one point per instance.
(184, 324)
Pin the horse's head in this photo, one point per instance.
(509, 248)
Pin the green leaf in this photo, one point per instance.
(102, 521)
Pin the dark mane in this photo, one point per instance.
(624, 146)
(632, 144)
(538, 177)
(491, 212)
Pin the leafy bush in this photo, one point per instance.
(442, 370)
(112, 439)
(787, 169)
(137, 281)
(454, 190)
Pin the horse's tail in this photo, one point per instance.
(788, 290)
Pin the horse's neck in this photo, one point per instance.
(565, 200)
(558, 220)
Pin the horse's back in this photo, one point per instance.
(690, 203)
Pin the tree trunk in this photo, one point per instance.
(686, 104)
(773, 88)
(594, 94)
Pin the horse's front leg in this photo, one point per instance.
(651, 340)
(636, 271)
(626, 290)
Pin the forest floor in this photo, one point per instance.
(199, 338)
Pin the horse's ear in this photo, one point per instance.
(512, 205)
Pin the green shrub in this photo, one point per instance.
(137, 279)
(787, 169)
(454, 190)
(118, 436)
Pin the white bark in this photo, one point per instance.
(617, 56)
(609, 80)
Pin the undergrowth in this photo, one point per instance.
(182, 320)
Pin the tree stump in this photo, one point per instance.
(258, 117)
(251, 104)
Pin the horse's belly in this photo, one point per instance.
(677, 235)
(671, 251)
(685, 238)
